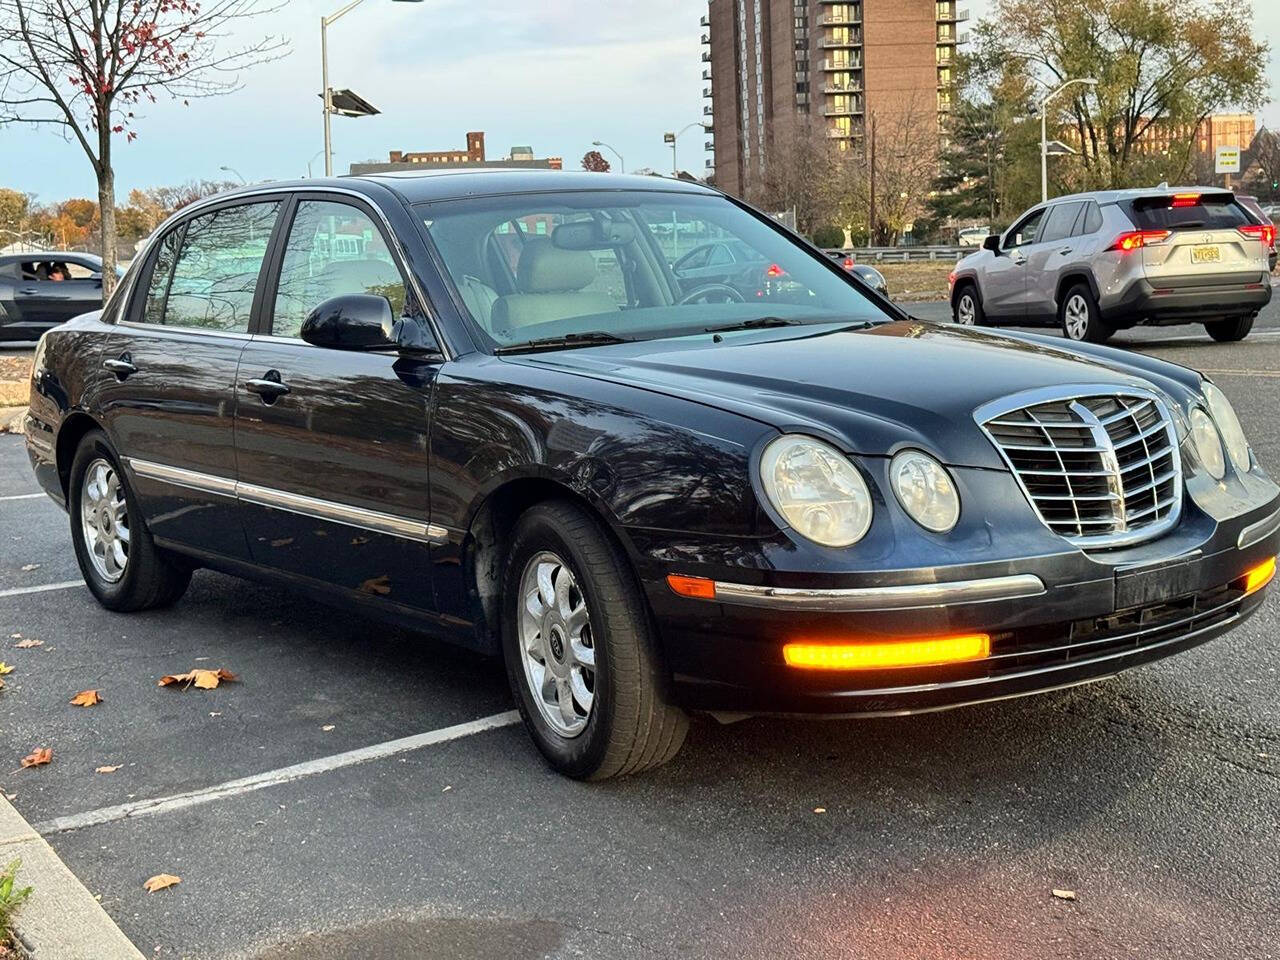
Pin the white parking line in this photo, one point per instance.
(1239, 373)
(25, 496)
(232, 788)
(43, 588)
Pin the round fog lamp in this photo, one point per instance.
(1207, 443)
(925, 490)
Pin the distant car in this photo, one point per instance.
(869, 275)
(973, 236)
(32, 301)
(1266, 216)
(727, 263)
(1096, 263)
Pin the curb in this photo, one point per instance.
(61, 920)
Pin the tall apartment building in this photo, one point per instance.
(780, 67)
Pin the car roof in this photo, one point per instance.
(427, 185)
(1133, 193)
(58, 255)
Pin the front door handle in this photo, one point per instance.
(269, 386)
(1066, 250)
(1019, 260)
(122, 366)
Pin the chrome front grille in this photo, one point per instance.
(1101, 469)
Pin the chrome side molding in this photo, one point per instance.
(907, 597)
(343, 513)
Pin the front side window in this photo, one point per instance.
(1026, 231)
(334, 249)
(635, 265)
(209, 281)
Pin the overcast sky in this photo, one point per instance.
(554, 74)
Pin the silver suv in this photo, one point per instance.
(1099, 262)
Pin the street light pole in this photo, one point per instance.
(672, 138)
(1044, 136)
(324, 73)
(622, 164)
(226, 169)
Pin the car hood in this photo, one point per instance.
(870, 391)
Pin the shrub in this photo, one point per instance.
(828, 237)
(10, 899)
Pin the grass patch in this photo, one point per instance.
(921, 280)
(11, 897)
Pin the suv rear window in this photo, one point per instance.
(1173, 213)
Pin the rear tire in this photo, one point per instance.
(592, 641)
(966, 308)
(121, 565)
(1080, 317)
(1230, 331)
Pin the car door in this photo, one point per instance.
(1052, 250)
(1004, 280)
(169, 405)
(332, 445)
(42, 302)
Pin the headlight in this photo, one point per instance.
(1208, 446)
(818, 491)
(1228, 426)
(925, 490)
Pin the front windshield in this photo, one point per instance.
(633, 265)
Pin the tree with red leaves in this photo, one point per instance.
(88, 66)
(595, 162)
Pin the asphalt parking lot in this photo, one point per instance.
(1154, 796)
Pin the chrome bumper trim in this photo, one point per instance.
(1258, 531)
(909, 597)
(330, 510)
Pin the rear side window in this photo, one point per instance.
(1058, 224)
(210, 282)
(1090, 222)
(1172, 213)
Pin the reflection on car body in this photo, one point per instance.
(511, 423)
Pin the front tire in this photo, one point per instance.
(966, 309)
(1080, 317)
(580, 652)
(1230, 331)
(121, 565)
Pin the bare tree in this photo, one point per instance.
(801, 174)
(87, 66)
(907, 164)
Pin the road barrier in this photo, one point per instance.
(905, 254)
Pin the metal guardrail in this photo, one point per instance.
(905, 254)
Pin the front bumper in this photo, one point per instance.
(1187, 299)
(1053, 622)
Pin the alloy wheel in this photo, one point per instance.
(965, 310)
(104, 518)
(556, 645)
(1076, 317)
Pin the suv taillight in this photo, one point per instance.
(1266, 232)
(1137, 239)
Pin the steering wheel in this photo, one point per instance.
(700, 295)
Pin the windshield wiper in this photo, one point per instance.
(591, 338)
(758, 323)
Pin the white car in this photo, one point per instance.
(972, 236)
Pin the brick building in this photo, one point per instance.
(474, 153)
(776, 67)
(472, 156)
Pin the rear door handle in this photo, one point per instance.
(269, 386)
(122, 366)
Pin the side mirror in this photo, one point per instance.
(991, 242)
(356, 321)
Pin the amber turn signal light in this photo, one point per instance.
(699, 588)
(933, 651)
(1259, 576)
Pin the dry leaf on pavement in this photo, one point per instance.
(38, 757)
(1065, 894)
(108, 769)
(5, 668)
(201, 679)
(28, 567)
(161, 881)
(28, 643)
(86, 698)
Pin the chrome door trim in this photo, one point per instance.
(375, 520)
(904, 597)
(1258, 531)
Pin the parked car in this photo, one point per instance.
(728, 263)
(42, 290)
(868, 274)
(1094, 263)
(1266, 217)
(649, 500)
(972, 236)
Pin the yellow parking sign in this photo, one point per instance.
(1228, 160)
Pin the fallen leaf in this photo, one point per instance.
(1065, 894)
(86, 698)
(201, 679)
(108, 769)
(378, 585)
(15, 636)
(161, 881)
(5, 669)
(38, 757)
(28, 643)
(1, 684)
(327, 727)
(819, 809)
(28, 567)
(282, 543)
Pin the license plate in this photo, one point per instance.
(1206, 255)
(1156, 584)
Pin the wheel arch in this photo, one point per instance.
(965, 280)
(1069, 279)
(71, 431)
